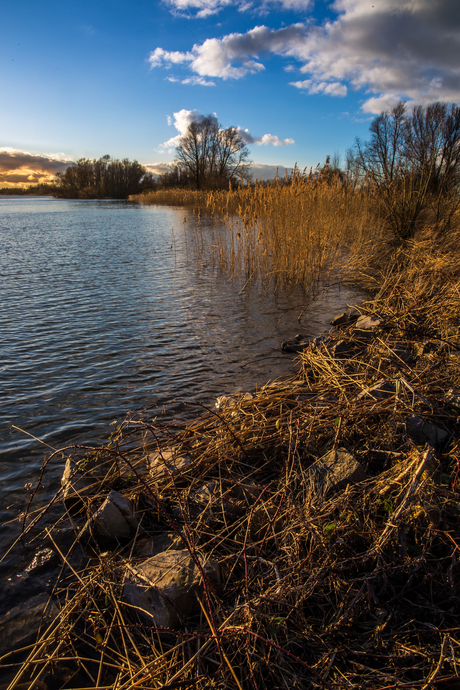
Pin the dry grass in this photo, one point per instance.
(295, 231)
(356, 587)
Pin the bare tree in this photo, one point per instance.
(413, 161)
(210, 156)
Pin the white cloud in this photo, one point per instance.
(393, 49)
(201, 81)
(183, 118)
(205, 8)
(334, 88)
(264, 140)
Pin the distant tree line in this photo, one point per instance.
(41, 189)
(208, 157)
(104, 178)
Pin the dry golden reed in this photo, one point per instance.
(296, 230)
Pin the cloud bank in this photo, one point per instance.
(183, 118)
(391, 49)
(21, 168)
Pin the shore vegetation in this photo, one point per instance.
(301, 578)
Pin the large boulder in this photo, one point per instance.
(336, 470)
(115, 518)
(160, 589)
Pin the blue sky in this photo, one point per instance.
(300, 78)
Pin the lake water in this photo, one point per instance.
(104, 310)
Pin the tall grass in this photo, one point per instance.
(293, 231)
(302, 230)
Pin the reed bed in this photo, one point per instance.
(301, 230)
(318, 587)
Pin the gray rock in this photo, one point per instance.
(160, 588)
(365, 322)
(422, 431)
(337, 469)
(115, 518)
(21, 625)
(169, 461)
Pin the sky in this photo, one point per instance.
(300, 79)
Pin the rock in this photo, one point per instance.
(421, 432)
(20, 626)
(365, 322)
(208, 498)
(115, 518)
(297, 344)
(344, 319)
(168, 462)
(337, 469)
(75, 486)
(151, 546)
(340, 349)
(224, 401)
(404, 355)
(379, 391)
(160, 588)
(364, 328)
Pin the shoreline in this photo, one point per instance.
(305, 523)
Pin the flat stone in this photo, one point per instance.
(422, 431)
(160, 588)
(337, 469)
(169, 462)
(115, 518)
(21, 624)
(365, 322)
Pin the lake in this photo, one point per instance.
(105, 310)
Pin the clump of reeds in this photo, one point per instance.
(294, 231)
(319, 588)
